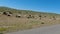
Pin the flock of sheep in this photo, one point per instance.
(8, 13)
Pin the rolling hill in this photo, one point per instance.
(25, 19)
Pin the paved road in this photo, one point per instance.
(55, 29)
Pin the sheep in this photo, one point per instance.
(18, 15)
(30, 16)
(5, 13)
(9, 15)
(40, 16)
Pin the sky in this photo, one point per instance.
(52, 6)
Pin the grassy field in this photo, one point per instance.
(12, 23)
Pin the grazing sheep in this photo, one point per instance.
(9, 15)
(6, 13)
(40, 16)
(30, 16)
(18, 15)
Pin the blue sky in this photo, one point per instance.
(52, 6)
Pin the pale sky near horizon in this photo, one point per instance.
(52, 6)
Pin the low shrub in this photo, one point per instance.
(1, 33)
(2, 29)
(42, 22)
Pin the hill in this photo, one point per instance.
(14, 19)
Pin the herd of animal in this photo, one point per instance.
(8, 13)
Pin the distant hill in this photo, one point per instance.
(2, 9)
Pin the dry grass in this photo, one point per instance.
(15, 24)
(11, 23)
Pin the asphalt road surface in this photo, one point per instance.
(55, 29)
